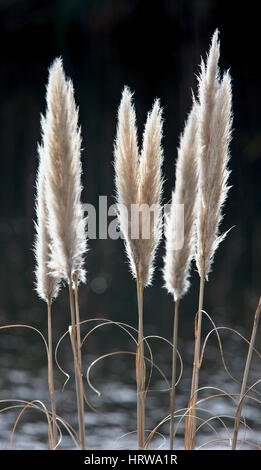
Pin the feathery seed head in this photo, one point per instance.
(215, 120)
(138, 185)
(177, 260)
(62, 167)
(47, 286)
(150, 191)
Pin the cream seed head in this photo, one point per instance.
(177, 260)
(61, 155)
(138, 183)
(215, 121)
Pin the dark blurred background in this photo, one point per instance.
(155, 48)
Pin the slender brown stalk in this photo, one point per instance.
(174, 373)
(191, 420)
(140, 369)
(78, 337)
(77, 370)
(50, 374)
(78, 325)
(245, 376)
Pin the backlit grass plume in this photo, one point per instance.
(181, 249)
(62, 149)
(63, 222)
(46, 284)
(139, 185)
(215, 120)
(126, 165)
(177, 259)
(214, 136)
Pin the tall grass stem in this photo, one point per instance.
(140, 368)
(174, 373)
(78, 325)
(245, 376)
(50, 374)
(192, 418)
(77, 370)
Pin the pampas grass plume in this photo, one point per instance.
(177, 260)
(47, 286)
(126, 166)
(150, 190)
(62, 167)
(139, 182)
(215, 120)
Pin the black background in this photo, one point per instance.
(155, 48)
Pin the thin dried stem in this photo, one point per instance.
(78, 324)
(174, 373)
(27, 405)
(191, 420)
(245, 376)
(77, 370)
(78, 338)
(50, 373)
(140, 368)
